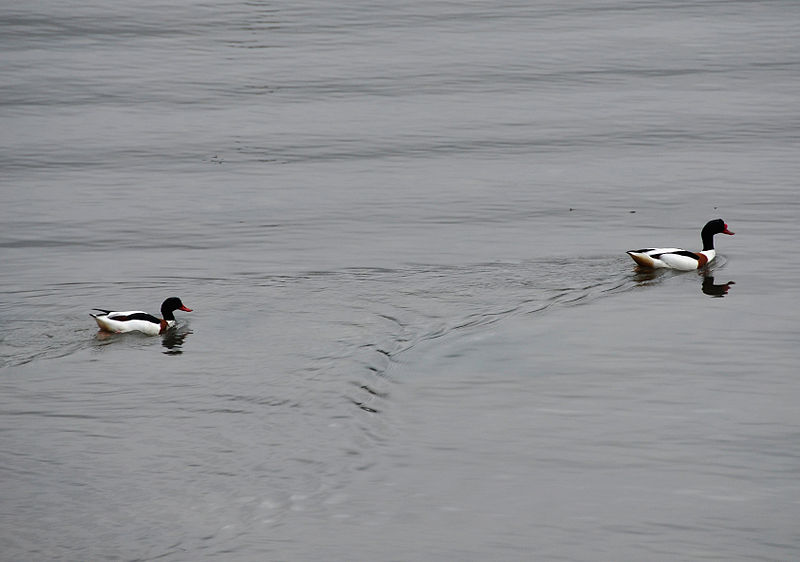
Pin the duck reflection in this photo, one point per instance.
(646, 275)
(173, 341)
(712, 289)
(649, 276)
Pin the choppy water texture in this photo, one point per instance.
(401, 227)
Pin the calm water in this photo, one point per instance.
(401, 227)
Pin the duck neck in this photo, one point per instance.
(708, 241)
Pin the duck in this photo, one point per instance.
(678, 258)
(138, 321)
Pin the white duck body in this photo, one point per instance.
(120, 322)
(678, 258)
(672, 258)
(132, 321)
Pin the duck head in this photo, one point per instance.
(171, 305)
(717, 226)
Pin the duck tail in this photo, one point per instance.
(641, 259)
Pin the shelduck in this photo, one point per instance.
(677, 258)
(138, 321)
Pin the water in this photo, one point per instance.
(401, 227)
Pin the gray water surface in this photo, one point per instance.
(402, 230)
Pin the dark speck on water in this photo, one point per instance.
(402, 230)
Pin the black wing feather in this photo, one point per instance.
(143, 316)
